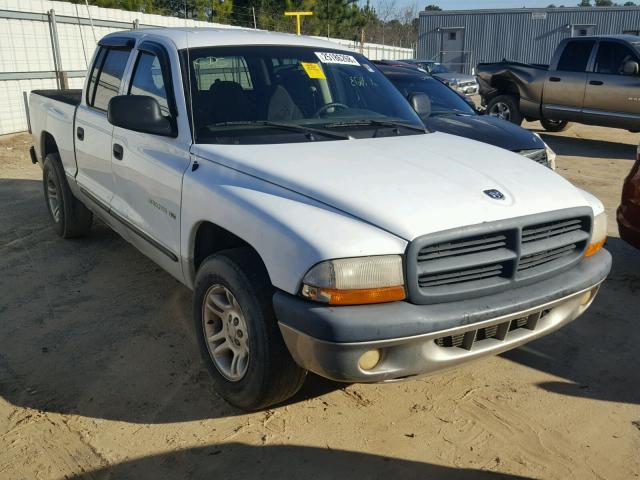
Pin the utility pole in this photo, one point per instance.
(328, 20)
(297, 15)
(255, 24)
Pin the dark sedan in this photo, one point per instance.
(450, 113)
(629, 210)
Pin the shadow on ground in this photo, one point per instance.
(92, 327)
(239, 461)
(597, 354)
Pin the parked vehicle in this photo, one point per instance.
(449, 113)
(593, 80)
(467, 84)
(629, 210)
(290, 185)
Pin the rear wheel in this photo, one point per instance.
(238, 333)
(505, 107)
(555, 125)
(70, 217)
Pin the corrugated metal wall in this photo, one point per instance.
(526, 35)
(26, 53)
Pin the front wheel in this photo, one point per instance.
(238, 334)
(506, 107)
(555, 125)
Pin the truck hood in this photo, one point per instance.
(408, 185)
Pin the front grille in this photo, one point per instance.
(491, 257)
(499, 332)
(539, 155)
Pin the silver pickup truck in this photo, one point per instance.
(593, 80)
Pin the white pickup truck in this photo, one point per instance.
(320, 226)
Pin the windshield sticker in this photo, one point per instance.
(368, 67)
(313, 70)
(327, 57)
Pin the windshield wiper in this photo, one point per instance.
(284, 126)
(376, 123)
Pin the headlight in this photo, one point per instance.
(551, 155)
(351, 281)
(599, 234)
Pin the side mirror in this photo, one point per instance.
(630, 67)
(139, 113)
(421, 103)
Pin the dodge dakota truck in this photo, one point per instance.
(592, 80)
(320, 226)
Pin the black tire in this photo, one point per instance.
(271, 374)
(71, 219)
(506, 107)
(555, 125)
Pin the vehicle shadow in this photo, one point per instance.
(92, 327)
(597, 355)
(585, 147)
(241, 461)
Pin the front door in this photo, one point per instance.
(148, 169)
(612, 96)
(564, 88)
(92, 129)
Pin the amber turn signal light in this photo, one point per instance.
(358, 296)
(593, 248)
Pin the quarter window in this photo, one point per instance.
(109, 77)
(575, 56)
(611, 58)
(148, 80)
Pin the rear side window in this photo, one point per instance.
(575, 56)
(148, 80)
(211, 70)
(611, 58)
(106, 77)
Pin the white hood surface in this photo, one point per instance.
(408, 185)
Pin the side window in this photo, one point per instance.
(148, 80)
(575, 56)
(109, 77)
(611, 58)
(95, 70)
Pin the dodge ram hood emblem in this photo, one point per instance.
(495, 194)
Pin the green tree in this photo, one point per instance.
(434, 8)
(604, 3)
(584, 3)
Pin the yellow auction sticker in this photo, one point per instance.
(313, 70)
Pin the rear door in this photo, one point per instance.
(92, 129)
(147, 168)
(564, 88)
(612, 97)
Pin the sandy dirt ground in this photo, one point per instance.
(100, 375)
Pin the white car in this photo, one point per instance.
(320, 226)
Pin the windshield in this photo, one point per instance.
(443, 99)
(279, 94)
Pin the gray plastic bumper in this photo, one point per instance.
(330, 340)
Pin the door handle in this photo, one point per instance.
(80, 133)
(118, 151)
(595, 82)
(555, 79)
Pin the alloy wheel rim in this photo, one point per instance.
(500, 110)
(225, 332)
(53, 198)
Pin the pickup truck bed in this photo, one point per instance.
(71, 96)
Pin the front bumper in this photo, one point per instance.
(411, 338)
(467, 89)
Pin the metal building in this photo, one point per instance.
(460, 39)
